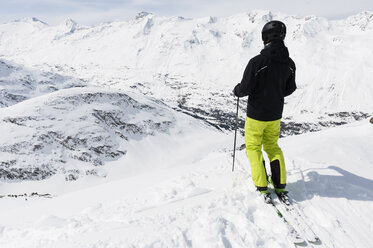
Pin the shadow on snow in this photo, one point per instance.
(346, 185)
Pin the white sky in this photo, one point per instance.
(90, 12)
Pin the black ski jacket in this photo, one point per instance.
(268, 78)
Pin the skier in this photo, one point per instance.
(268, 78)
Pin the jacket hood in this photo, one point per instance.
(277, 51)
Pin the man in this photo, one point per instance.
(268, 78)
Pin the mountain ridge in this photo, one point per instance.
(193, 64)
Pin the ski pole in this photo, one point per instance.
(235, 134)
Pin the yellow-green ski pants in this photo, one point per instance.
(266, 134)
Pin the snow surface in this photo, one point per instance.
(201, 203)
(116, 135)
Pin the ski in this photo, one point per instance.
(296, 238)
(287, 208)
(285, 204)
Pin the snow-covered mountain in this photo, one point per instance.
(19, 84)
(193, 64)
(75, 131)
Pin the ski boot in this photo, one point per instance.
(283, 196)
(266, 196)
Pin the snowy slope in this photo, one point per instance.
(202, 204)
(194, 63)
(332, 175)
(76, 131)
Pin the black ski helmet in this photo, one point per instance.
(273, 30)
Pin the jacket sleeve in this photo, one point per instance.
(248, 82)
(290, 83)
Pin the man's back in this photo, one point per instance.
(268, 78)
